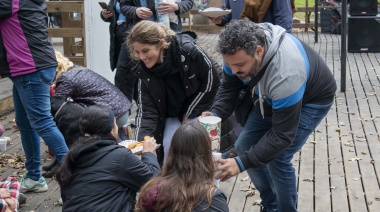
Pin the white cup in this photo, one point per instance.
(216, 155)
(3, 144)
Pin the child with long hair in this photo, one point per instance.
(185, 182)
(97, 173)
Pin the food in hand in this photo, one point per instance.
(134, 145)
(147, 137)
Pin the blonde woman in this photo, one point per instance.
(176, 80)
(86, 88)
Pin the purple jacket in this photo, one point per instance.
(24, 45)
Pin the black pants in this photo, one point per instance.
(125, 80)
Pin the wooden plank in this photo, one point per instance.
(306, 178)
(77, 49)
(66, 32)
(239, 198)
(77, 60)
(354, 182)
(63, 6)
(339, 195)
(321, 170)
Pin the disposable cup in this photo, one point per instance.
(216, 155)
(212, 124)
(3, 144)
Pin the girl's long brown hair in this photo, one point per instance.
(187, 175)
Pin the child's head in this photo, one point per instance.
(98, 120)
(190, 150)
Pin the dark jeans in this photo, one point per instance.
(276, 181)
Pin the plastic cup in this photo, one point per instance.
(216, 155)
(3, 144)
(212, 124)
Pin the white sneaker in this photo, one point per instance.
(29, 185)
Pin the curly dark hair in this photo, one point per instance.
(240, 35)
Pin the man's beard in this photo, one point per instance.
(254, 71)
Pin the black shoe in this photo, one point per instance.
(21, 199)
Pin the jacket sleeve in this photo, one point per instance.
(282, 14)
(134, 172)
(226, 18)
(64, 87)
(184, 6)
(6, 9)
(219, 202)
(128, 9)
(227, 95)
(147, 112)
(209, 79)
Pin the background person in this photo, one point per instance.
(236, 7)
(296, 90)
(117, 28)
(277, 12)
(137, 10)
(176, 80)
(190, 168)
(27, 58)
(100, 175)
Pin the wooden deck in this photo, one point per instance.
(338, 168)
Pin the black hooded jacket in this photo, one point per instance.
(199, 81)
(106, 177)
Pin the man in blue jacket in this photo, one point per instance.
(28, 59)
(293, 91)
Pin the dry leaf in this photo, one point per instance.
(256, 202)
(355, 159)
(245, 178)
(333, 187)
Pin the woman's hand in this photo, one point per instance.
(216, 20)
(143, 12)
(166, 7)
(149, 145)
(106, 14)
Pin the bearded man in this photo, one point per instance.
(293, 89)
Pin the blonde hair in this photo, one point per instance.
(64, 64)
(149, 32)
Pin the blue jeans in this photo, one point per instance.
(32, 104)
(276, 181)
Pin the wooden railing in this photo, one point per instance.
(72, 29)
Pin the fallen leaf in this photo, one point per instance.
(333, 187)
(256, 202)
(245, 178)
(355, 159)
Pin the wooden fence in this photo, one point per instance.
(71, 30)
